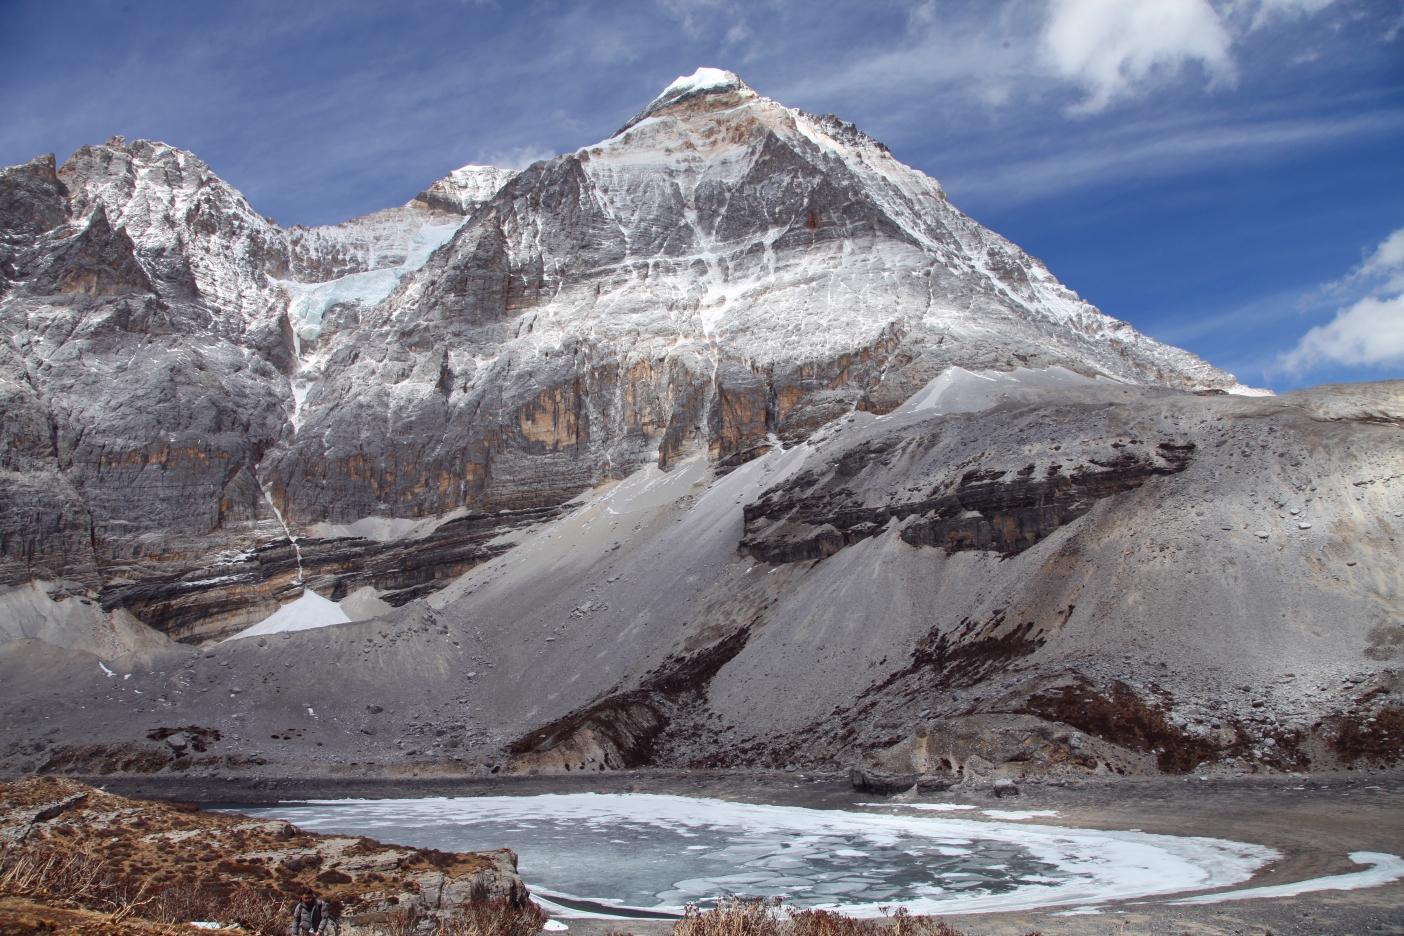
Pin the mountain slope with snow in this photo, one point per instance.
(726, 441)
(722, 272)
(721, 276)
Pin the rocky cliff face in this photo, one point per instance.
(189, 386)
(722, 271)
(155, 323)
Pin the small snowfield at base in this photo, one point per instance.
(306, 613)
(555, 926)
(1384, 869)
(1019, 815)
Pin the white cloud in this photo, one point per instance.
(1018, 53)
(1368, 333)
(1109, 46)
(1144, 147)
(1112, 47)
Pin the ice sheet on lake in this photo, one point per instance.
(604, 853)
(933, 807)
(1019, 815)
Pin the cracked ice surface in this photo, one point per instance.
(590, 854)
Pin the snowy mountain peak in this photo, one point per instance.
(704, 82)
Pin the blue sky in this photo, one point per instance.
(1226, 175)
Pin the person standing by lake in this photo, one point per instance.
(309, 915)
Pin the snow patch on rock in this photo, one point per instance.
(308, 612)
(704, 79)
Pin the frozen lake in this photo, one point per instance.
(588, 854)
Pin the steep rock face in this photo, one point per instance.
(32, 199)
(194, 384)
(145, 374)
(140, 410)
(721, 271)
(939, 501)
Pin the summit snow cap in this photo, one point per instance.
(704, 81)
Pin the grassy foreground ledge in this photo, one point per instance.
(74, 859)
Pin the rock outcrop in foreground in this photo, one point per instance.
(66, 844)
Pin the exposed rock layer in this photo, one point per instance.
(1237, 609)
(186, 383)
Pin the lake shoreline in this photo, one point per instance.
(1314, 820)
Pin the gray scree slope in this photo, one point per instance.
(1180, 582)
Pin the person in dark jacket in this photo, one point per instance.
(310, 915)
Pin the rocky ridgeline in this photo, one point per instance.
(147, 371)
(186, 385)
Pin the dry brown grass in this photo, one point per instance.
(20, 916)
(733, 916)
(493, 918)
(73, 877)
(78, 880)
(737, 916)
(256, 909)
(91, 851)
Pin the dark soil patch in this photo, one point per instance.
(1380, 740)
(966, 659)
(103, 759)
(1122, 717)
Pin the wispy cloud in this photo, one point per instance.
(1260, 13)
(518, 157)
(1145, 148)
